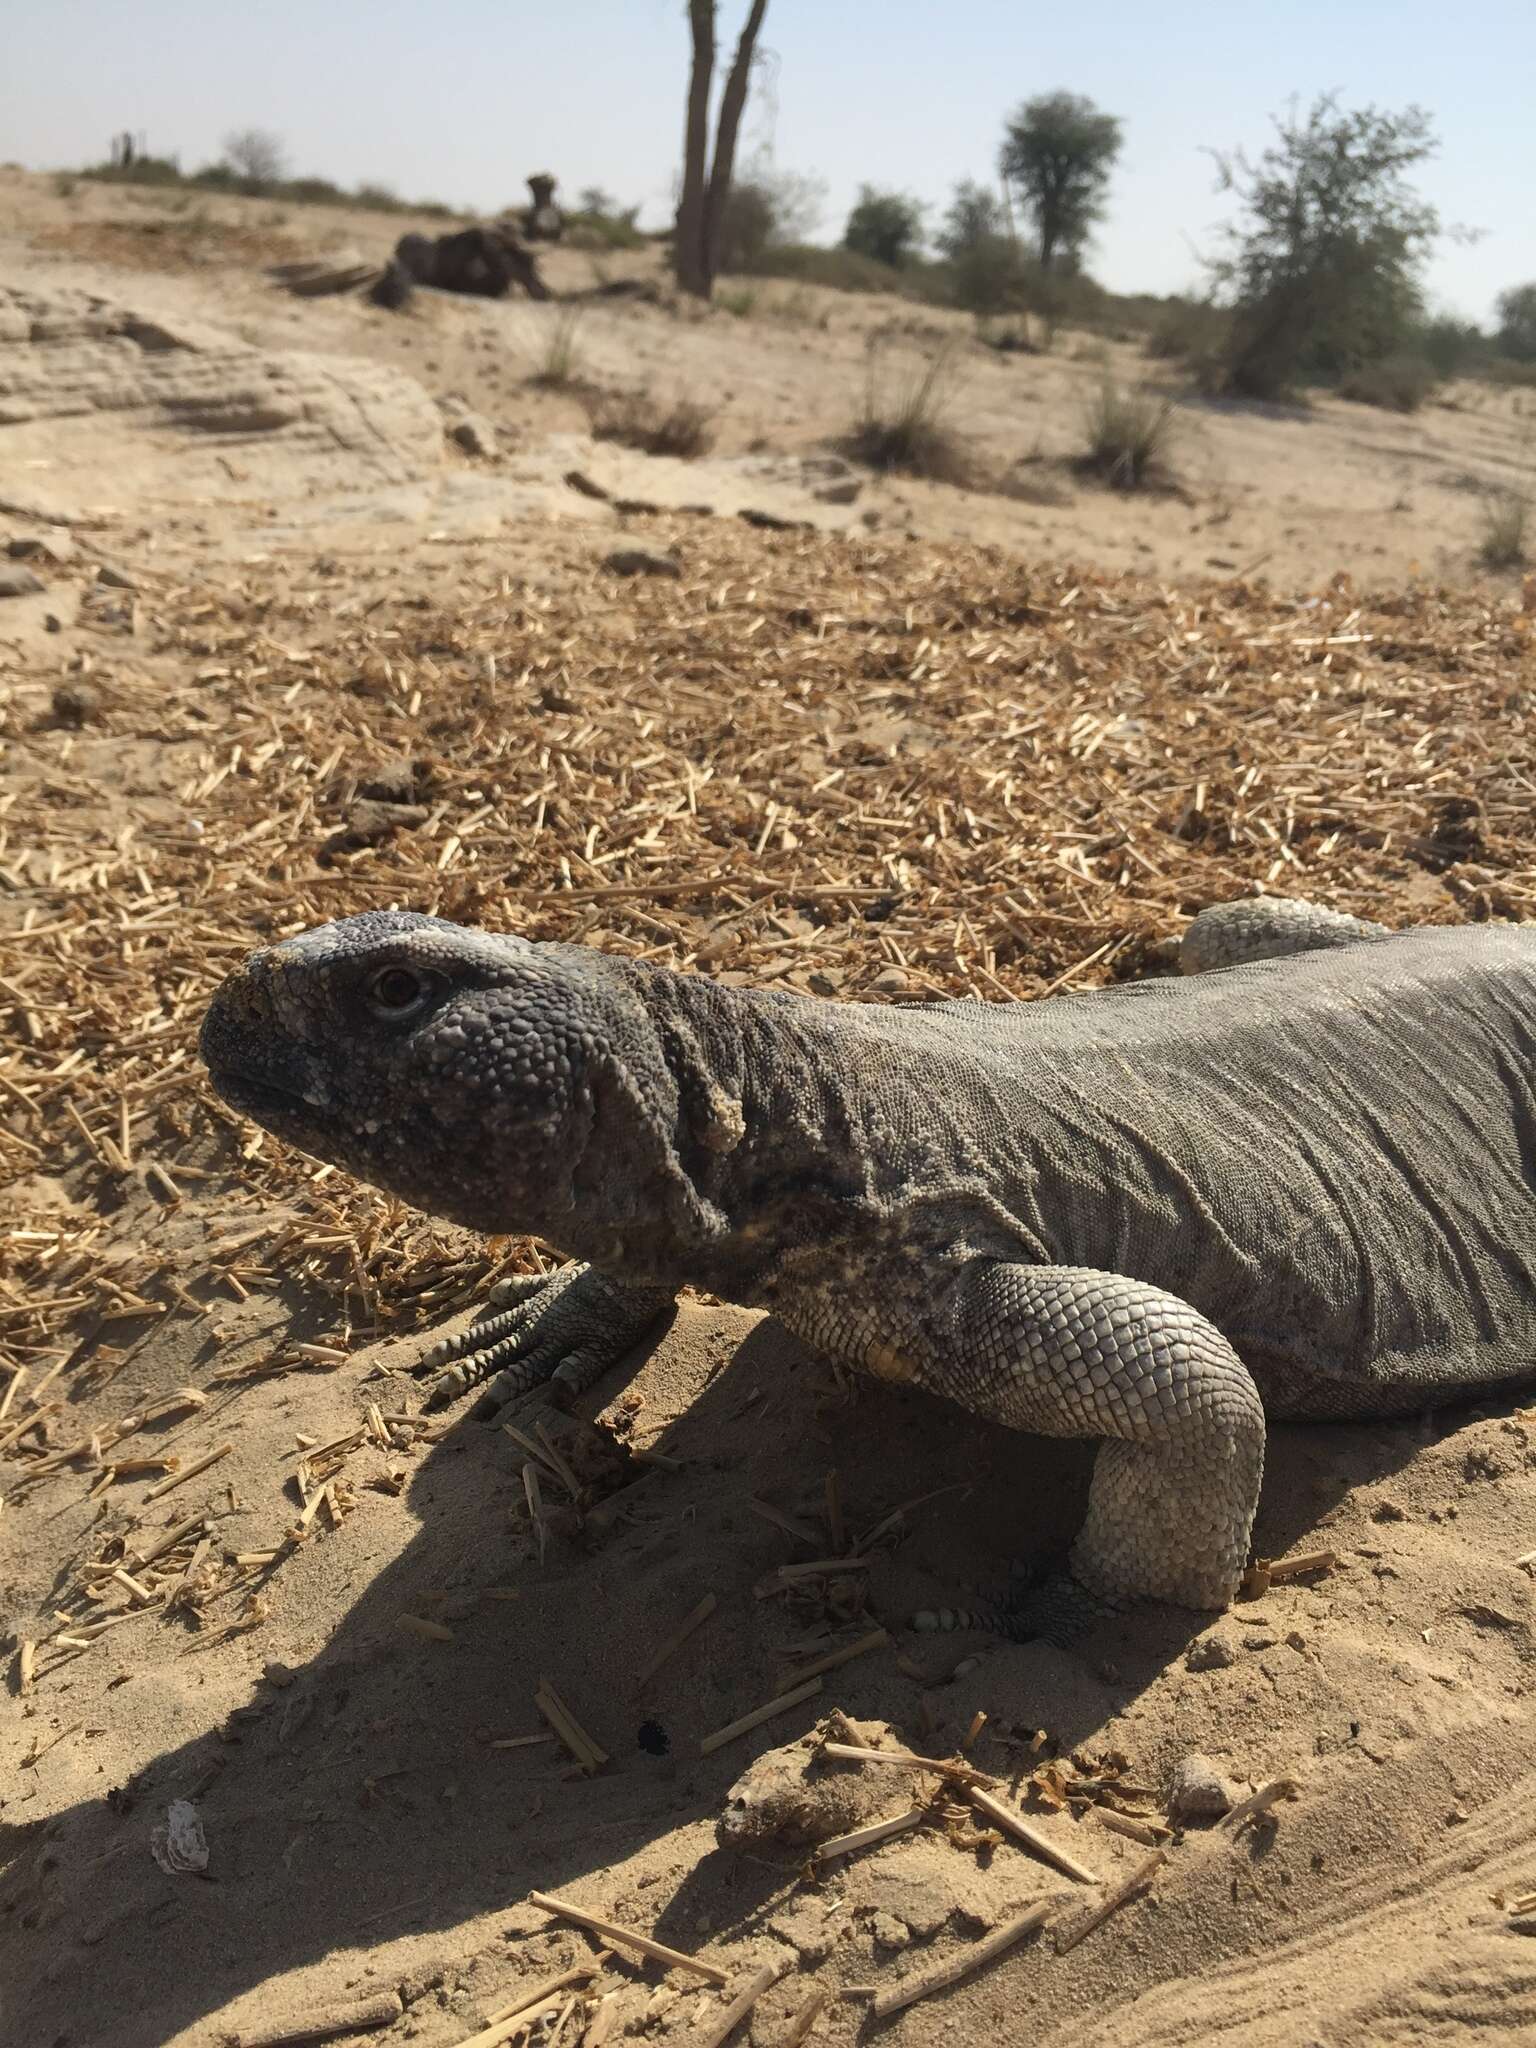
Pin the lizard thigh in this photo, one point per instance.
(1266, 928)
(1070, 1351)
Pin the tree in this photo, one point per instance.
(1059, 151)
(1322, 266)
(1517, 322)
(767, 208)
(975, 217)
(707, 184)
(256, 157)
(887, 226)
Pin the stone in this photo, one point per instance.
(114, 577)
(18, 582)
(75, 704)
(845, 493)
(474, 435)
(57, 546)
(641, 562)
(578, 480)
(1198, 1791)
(1213, 1652)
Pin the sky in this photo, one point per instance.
(460, 99)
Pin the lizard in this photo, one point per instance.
(1296, 1181)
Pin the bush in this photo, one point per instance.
(1128, 435)
(740, 301)
(1453, 348)
(1189, 331)
(841, 269)
(636, 420)
(1398, 383)
(887, 227)
(596, 229)
(1323, 267)
(559, 364)
(900, 426)
(1505, 520)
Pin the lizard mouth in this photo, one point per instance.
(266, 1101)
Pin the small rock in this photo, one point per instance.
(642, 507)
(57, 546)
(18, 583)
(75, 704)
(890, 981)
(474, 435)
(113, 577)
(1260, 1639)
(839, 494)
(889, 1932)
(1387, 1510)
(1210, 1653)
(770, 522)
(400, 781)
(578, 480)
(641, 562)
(1198, 1791)
(279, 1674)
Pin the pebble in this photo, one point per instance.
(18, 583)
(474, 435)
(1198, 1791)
(1210, 1653)
(641, 562)
(113, 577)
(57, 546)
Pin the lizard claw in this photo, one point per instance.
(559, 1331)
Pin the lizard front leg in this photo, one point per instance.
(562, 1329)
(1069, 1351)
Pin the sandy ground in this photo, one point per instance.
(366, 1836)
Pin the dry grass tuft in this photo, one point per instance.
(637, 420)
(1128, 434)
(901, 424)
(1505, 520)
(559, 363)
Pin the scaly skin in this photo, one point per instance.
(1146, 1215)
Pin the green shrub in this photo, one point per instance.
(1128, 434)
(841, 269)
(1189, 331)
(1399, 383)
(740, 301)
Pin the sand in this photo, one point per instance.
(844, 700)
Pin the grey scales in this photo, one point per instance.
(1300, 1185)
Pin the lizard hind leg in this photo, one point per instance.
(1266, 928)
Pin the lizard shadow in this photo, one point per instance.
(360, 1798)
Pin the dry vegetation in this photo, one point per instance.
(935, 772)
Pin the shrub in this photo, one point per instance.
(1189, 331)
(1128, 435)
(558, 365)
(1323, 267)
(900, 426)
(636, 420)
(887, 227)
(1399, 383)
(740, 301)
(842, 269)
(1505, 520)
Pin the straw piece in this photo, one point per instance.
(718, 2030)
(626, 1937)
(192, 1472)
(756, 1718)
(1033, 1840)
(1134, 1885)
(674, 1642)
(924, 1983)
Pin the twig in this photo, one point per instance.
(675, 1641)
(943, 1767)
(1122, 1895)
(367, 2013)
(192, 1472)
(718, 2030)
(755, 1719)
(1032, 1839)
(873, 1641)
(864, 1838)
(626, 1937)
(923, 1983)
(1260, 1801)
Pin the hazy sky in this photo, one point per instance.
(459, 99)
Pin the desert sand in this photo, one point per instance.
(926, 740)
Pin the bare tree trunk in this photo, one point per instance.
(732, 105)
(688, 254)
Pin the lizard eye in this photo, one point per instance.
(397, 992)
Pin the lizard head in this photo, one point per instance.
(478, 1076)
